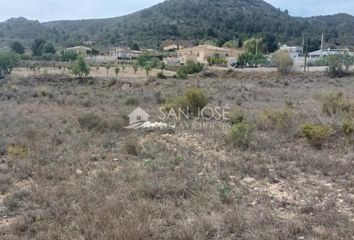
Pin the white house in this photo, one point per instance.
(293, 51)
(124, 53)
(327, 52)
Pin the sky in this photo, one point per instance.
(48, 10)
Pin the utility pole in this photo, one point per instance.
(303, 45)
(322, 42)
(305, 51)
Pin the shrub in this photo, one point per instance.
(271, 119)
(348, 127)
(335, 103)
(216, 60)
(192, 101)
(17, 151)
(132, 101)
(317, 135)
(283, 62)
(236, 117)
(189, 68)
(182, 72)
(92, 121)
(80, 68)
(196, 99)
(241, 134)
(336, 64)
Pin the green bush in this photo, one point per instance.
(193, 100)
(241, 134)
(317, 135)
(189, 68)
(348, 127)
(236, 117)
(182, 72)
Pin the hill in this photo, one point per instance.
(191, 20)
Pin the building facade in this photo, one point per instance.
(201, 54)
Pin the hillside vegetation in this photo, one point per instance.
(197, 20)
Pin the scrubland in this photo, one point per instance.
(283, 169)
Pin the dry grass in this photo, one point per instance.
(69, 169)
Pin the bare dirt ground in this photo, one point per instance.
(69, 169)
(128, 73)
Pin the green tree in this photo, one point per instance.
(8, 61)
(135, 47)
(68, 56)
(81, 68)
(253, 46)
(270, 43)
(147, 68)
(37, 47)
(48, 48)
(18, 48)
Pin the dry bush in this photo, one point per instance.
(276, 119)
(334, 103)
(6, 181)
(283, 62)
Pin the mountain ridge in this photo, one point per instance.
(197, 20)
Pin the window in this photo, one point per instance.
(139, 118)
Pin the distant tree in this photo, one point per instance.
(117, 70)
(48, 48)
(135, 47)
(245, 59)
(231, 44)
(81, 68)
(283, 62)
(313, 45)
(270, 43)
(8, 61)
(135, 68)
(68, 56)
(37, 47)
(18, 48)
(253, 46)
(148, 68)
(107, 68)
